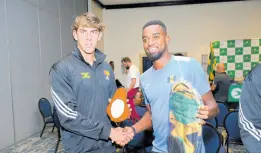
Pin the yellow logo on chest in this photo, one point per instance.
(85, 75)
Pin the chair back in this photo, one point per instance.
(45, 108)
(56, 119)
(237, 109)
(58, 126)
(222, 150)
(213, 122)
(231, 126)
(223, 110)
(212, 138)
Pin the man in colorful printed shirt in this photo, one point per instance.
(157, 83)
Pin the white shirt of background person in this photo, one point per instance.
(133, 72)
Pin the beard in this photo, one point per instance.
(127, 67)
(154, 56)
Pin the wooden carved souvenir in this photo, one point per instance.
(118, 109)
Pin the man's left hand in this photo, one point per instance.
(203, 113)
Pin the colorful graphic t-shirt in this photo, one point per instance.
(185, 131)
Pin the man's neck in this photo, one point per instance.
(220, 71)
(89, 58)
(163, 61)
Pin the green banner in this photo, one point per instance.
(234, 93)
(239, 56)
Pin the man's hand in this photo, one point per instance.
(129, 132)
(118, 135)
(121, 136)
(203, 113)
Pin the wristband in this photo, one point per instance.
(133, 130)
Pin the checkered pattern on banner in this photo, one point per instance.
(239, 56)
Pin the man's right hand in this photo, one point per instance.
(119, 136)
(130, 132)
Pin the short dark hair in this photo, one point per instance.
(156, 22)
(178, 54)
(126, 59)
(111, 62)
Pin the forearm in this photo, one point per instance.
(85, 127)
(213, 87)
(213, 111)
(144, 124)
(210, 101)
(131, 85)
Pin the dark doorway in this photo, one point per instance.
(146, 64)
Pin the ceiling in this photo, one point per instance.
(116, 2)
(121, 4)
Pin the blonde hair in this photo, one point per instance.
(88, 20)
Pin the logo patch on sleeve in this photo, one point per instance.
(107, 74)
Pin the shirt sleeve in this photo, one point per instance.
(216, 79)
(133, 72)
(199, 79)
(144, 94)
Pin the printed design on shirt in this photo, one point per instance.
(85, 75)
(171, 79)
(185, 131)
(107, 74)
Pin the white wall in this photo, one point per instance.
(6, 129)
(191, 27)
(34, 35)
(98, 11)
